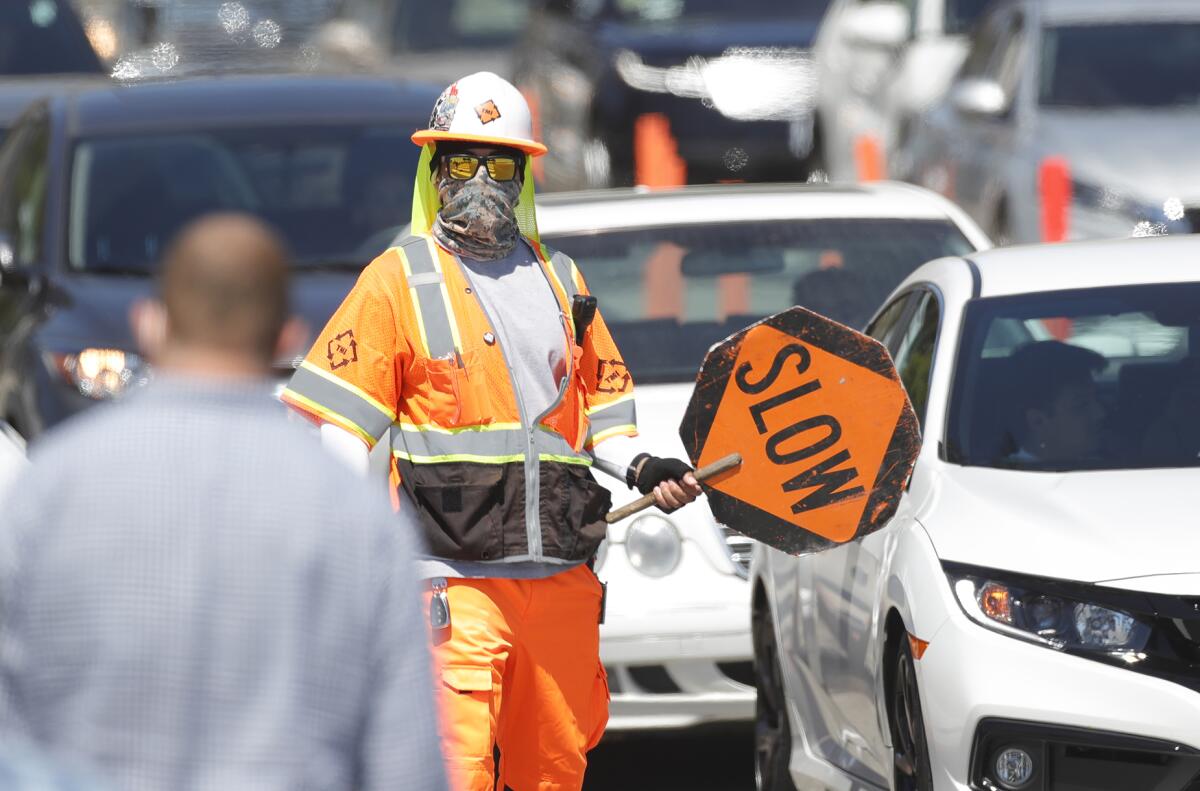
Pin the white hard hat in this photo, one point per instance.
(482, 108)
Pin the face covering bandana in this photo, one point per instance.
(478, 217)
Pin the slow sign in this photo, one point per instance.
(823, 425)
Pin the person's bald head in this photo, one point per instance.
(224, 287)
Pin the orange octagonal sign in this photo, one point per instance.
(825, 430)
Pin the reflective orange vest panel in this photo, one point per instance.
(411, 352)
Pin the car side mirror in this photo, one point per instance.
(980, 97)
(883, 25)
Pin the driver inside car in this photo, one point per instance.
(1057, 416)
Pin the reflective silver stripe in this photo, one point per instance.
(484, 446)
(622, 413)
(431, 444)
(563, 270)
(439, 334)
(341, 401)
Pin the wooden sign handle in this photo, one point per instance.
(718, 467)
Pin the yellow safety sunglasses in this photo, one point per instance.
(501, 167)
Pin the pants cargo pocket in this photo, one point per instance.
(466, 713)
(599, 708)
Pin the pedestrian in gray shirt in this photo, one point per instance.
(193, 597)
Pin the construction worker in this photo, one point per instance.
(480, 351)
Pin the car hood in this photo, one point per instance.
(670, 45)
(1096, 146)
(1082, 526)
(93, 310)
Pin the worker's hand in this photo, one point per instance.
(671, 481)
(670, 495)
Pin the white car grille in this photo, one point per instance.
(739, 548)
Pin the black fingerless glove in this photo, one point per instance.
(656, 470)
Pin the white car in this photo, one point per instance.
(880, 64)
(1030, 617)
(676, 272)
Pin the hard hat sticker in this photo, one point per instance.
(487, 112)
(822, 422)
(444, 109)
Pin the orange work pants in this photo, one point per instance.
(520, 667)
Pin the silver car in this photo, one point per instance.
(1072, 119)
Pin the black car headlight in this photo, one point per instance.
(100, 374)
(1050, 613)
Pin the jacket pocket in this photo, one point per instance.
(572, 511)
(464, 516)
(457, 393)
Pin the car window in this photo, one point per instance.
(670, 293)
(1004, 65)
(1127, 65)
(338, 194)
(961, 15)
(989, 38)
(459, 24)
(24, 163)
(43, 37)
(914, 355)
(1092, 379)
(659, 11)
(882, 328)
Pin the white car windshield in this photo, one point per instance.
(1080, 380)
(1141, 65)
(670, 293)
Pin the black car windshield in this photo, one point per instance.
(1127, 65)
(657, 11)
(962, 14)
(1094, 379)
(336, 193)
(668, 294)
(43, 37)
(459, 24)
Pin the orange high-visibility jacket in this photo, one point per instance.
(411, 351)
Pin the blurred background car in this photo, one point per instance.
(676, 272)
(43, 48)
(1072, 119)
(435, 42)
(94, 184)
(670, 91)
(881, 64)
(1043, 550)
(12, 457)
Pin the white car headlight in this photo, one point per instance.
(1046, 614)
(653, 545)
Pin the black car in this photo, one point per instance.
(617, 84)
(43, 48)
(95, 182)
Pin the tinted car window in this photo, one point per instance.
(882, 328)
(961, 15)
(668, 294)
(24, 164)
(914, 357)
(1092, 379)
(668, 10)
(43, 37)
(1146, 65)
(337, 194)
(459, 24)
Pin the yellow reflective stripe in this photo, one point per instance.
(460, 430)
(416, 300)
(329, 415)
(358, 391)
(608, 404)
(581, 461)
(415, 459)
(628, 430)
(437, 267)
